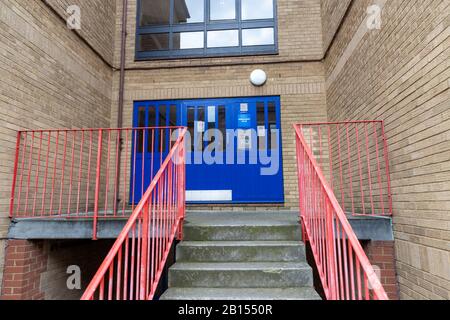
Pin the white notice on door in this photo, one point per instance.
(200, 126)
(211, 114)
(261, 131)
(244, 139)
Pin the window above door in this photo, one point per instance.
(168, 29)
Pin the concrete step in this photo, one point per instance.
(301, 293)
(242, 226)
(240, 275)
(242, 232)
(241, 251)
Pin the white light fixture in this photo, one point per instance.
(258, 77)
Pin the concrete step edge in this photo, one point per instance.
(236, 243)
(239, 266)
(193, 293)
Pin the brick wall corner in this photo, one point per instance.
(382, 255)
(25, 261)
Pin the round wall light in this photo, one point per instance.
(258, 77)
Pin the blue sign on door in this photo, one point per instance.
(244, 121)
(235, 151)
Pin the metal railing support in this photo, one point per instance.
(14, 180)
(97, 184)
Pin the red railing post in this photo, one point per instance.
(144, 253)
(97, 184)
(331, 256)
(181, 187)
(16, 166)
(300, 180)
(388, 172)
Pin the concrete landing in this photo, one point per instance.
(244, 218)
(276, 223)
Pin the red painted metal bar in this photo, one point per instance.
(386, 158)
(37, 175)
(63, 174)
(340, 259)
(30, 163)
(88, 170)
(21, 171)
(80, 169)
(55, 166)
(72, 164)
(151, 230)
(369, 171)
(359, 157)
(97, 183)
(16, 166)
(125, 175)
(44, 192)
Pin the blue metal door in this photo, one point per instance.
(208, 176)
(151, 146)
(258, 144)
(235, 154)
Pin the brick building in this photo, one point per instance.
(324, 63)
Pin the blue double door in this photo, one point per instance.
(234, 151)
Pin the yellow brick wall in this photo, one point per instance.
(333, 12)
(98, 19)
(49, 79)
(401, 74)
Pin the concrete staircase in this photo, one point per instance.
(241, 256)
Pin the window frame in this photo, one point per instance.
(204, 27)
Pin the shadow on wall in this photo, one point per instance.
(88, 256)
(316, 278)
(85, 254)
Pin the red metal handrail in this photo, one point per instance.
(74, 173)
(134, 265)
(343, 267)
(353, 155)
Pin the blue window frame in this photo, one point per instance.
(170, 29)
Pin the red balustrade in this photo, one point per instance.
(343, 267)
